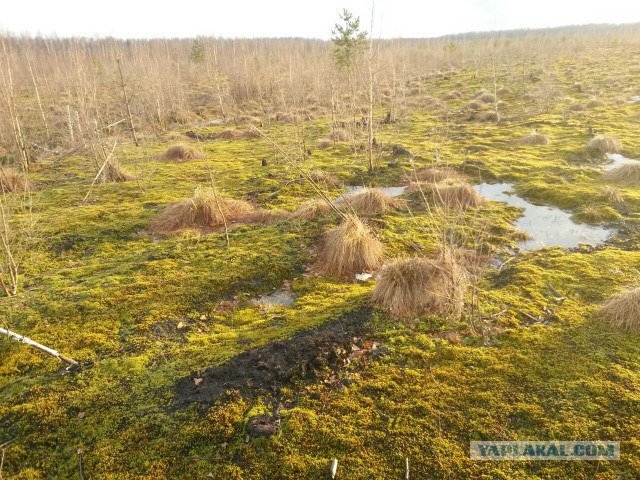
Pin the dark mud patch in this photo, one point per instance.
(263, 370)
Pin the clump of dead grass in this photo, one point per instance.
(12, 182)
(113, 172)
(235, 134)
(263, 216)
(371, 201)
(534, 138)
(422, 286)
(486, 97)
(623, 310)
(324, 143)
(181, 153)
(339, 135)
(490, 116)
(595, 103)
(601, 145)
(311, 210)
(627, 173)
(350, 248)
(205, 210)
(432, 174)
(452, 193)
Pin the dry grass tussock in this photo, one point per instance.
(534, 138)
(324, 143)
(203, 211)
(311, 210)
(452, 194)
(235, 134)
(576, 107)
(181, 153)
(323, 178)
(623, 310)
(371, 201)
(489, 116)
(628, 173)
(339, 135)
(12, 182)
(476, 105)
(262, 216)
(419, 286)
(602, 145)
(486, 97)
(112, 172)
(350, 248)
(595, 103)
(432, 175)
(613, 194)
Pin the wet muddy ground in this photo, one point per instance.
(263, 370)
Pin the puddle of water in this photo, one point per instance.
(363, 276)
(547, 226)
(281, 298)
(617, 160)
(391, 191)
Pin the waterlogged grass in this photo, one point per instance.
(529, 362)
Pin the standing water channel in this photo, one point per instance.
(546, 226)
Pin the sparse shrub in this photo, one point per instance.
(12, 182)
(628, 173)
(418, 286)
(350, 248)
(601, 145)
(181, 153)
(371, 201)
(623, 310)
(534, 138)
(203, 211)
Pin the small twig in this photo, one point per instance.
(529, 316)
(28, 341)
(100, 171)
(406, 470)
(80, 452)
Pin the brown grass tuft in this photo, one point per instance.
(324, 178)
(623, 310)
(628, 173)
(613, 194)
(235, 134)
(311, 210)
(486, 97)
(602, 145)
(324, 143)
(576, 107)
(489, 116)
(432, 175)
(371, 201)
(262, 216)
(350, 248)
(505, 91)
(595, 103)
(475, 105)
(112, 172)
(201, 212)
(534, 138)
(339, 135)
(12, 182)
(181, 153)
(452, 193)
(419, 286)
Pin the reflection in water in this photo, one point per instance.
(391, 191)
(282, 298)
(617, 160)
(546, 226)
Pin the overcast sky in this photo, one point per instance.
(299, 18)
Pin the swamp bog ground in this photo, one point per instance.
(185, 373)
